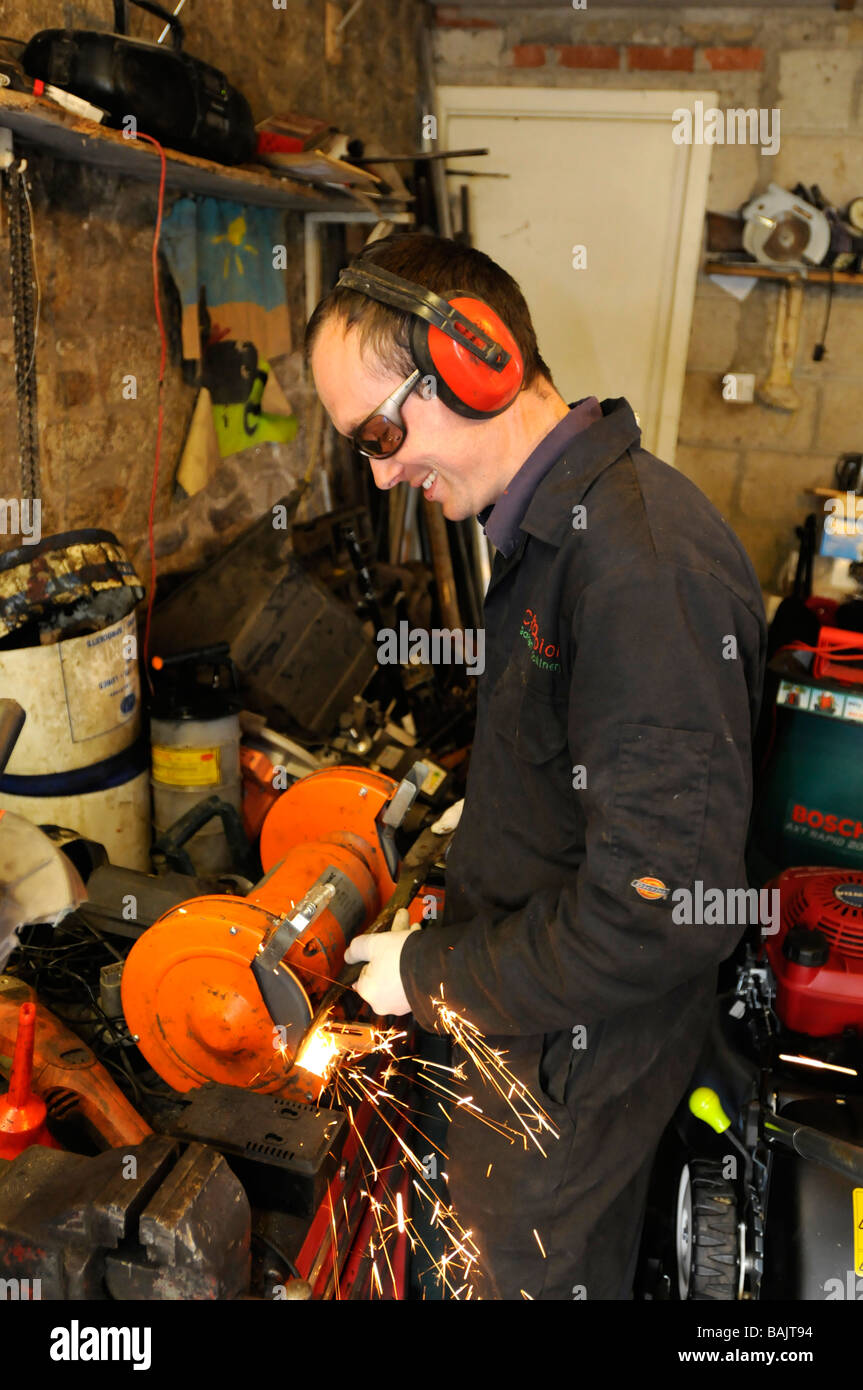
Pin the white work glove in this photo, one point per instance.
(380, 981)
(450, 818)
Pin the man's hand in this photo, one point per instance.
(380, 982)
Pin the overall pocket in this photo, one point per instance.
(565, 1065)
(658, 807)
(533, 721)
(530, 746)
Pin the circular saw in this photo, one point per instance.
(781, 228)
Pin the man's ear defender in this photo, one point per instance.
(458, 339)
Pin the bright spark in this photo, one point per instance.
(814, 1062)
(496, 1075)
(351, 1084)
(319, 1052)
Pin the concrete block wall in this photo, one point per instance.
(753, 461)
(93, 234)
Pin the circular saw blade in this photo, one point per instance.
(781, 228)
(784, 238)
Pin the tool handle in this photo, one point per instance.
(169, 844)
(837, 1154)
(12, 719)
(405, 891)
(121, 26)
(420, 860)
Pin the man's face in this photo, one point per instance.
(452, 451)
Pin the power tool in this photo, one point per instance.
(224, 988)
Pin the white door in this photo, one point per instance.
(596, 169)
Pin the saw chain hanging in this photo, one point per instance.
(24, 300)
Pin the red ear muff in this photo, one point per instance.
(464, 383)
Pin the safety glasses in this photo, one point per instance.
(383, 432)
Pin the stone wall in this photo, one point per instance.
(94, 234)
(753, 461)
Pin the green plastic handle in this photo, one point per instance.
(706, 1105)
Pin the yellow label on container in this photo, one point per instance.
(186, 767)
(857, 1207)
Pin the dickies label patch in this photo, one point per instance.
(650, 888)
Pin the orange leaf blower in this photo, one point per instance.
(224, 988)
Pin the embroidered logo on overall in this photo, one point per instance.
(649, 888)
(545, 655)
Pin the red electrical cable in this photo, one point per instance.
(163, 358)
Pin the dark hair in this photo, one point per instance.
(440, 265)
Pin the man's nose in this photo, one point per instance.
(386, 472)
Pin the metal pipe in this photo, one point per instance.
(815, 1145)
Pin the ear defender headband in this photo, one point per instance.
(459, 340)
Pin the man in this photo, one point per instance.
(625, 646)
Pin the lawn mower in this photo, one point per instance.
(757, 1189)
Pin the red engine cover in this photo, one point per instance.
(822, 999)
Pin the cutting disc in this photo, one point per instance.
(780, 228)
(786, 240)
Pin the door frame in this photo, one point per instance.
(682, 258)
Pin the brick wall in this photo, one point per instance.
(93, 242)
(752, 461)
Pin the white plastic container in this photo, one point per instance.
(76, 763)
(117, 817)
(82, 698)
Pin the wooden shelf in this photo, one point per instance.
(44, 123)
(813, 274)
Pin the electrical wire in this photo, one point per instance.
(161, 414)
(118, 955)
(57, 973)
(820, 348)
